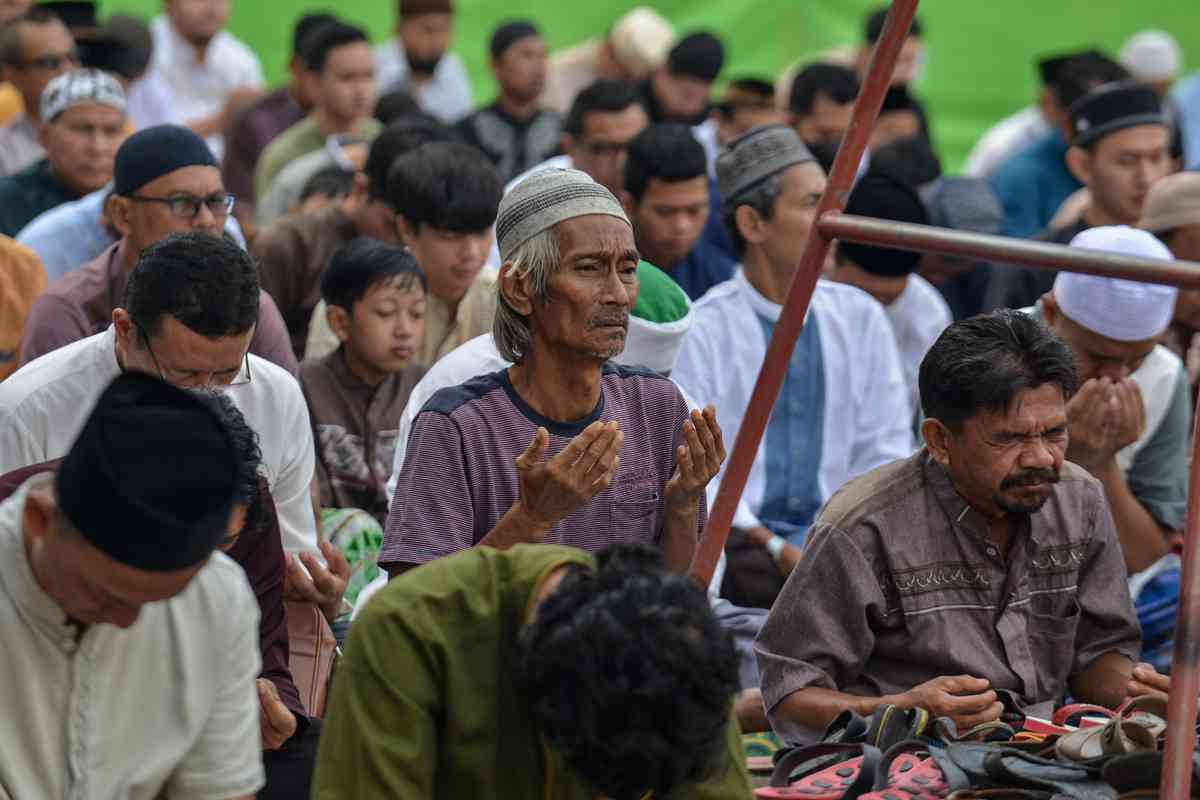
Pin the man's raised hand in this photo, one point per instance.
(552, 490)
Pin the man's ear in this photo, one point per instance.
(339, 322)
(125, 329)
(37, 517)
(1050, 309)
(517, 290)
(1079, 162)
(568, 145)
(749, 224)
(937, 440)
(627, 202)
(118, 210)
(408, 236)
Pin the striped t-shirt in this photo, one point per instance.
(460, 478)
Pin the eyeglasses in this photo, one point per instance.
(53, 62)
(187, 377)
(186, 206)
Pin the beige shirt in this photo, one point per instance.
(473, 318)
(167, 707)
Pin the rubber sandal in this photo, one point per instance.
(890, 725)
(1006, 767)
(1118, 737)
(827, 771)
(915, 769)
(995, 731)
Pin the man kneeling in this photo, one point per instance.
(536, 671)
(984, 568)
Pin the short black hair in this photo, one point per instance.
(874, 27)
(363, 263)
(331, 182)
(1081, 74)
(909, 159)
(881, 196)
(982, 363)
(446, 185)
(395, 140)
(304, 28)
(207, 282)
(603, 96)
(398, 103)
(745, 93)
(666, 151)
(327, 38)
(630, 676)
(838, 83)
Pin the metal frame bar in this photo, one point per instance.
(832, 223)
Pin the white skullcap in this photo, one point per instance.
(1126, 311)
(1152, 56)
(640, 40)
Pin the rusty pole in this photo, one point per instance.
(804, 282)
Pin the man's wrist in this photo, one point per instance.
(530, 526)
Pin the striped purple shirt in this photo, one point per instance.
(460, 477)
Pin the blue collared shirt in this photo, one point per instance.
(1033, 184)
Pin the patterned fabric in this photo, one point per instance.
(358, 536)
(79, 87)
(458, 477)
(1156, 600)
(795, 439)
(514, 146)
(472, 318)
(546, 198)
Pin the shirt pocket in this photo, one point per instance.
(1052, 644)
(633, 513)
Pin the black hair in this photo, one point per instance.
(629, 675)
(1085, 72)
(363, 263)
(398, 103)
(402, 136)
(836, 82)
(747, 93)
(207, 282)
(446, 185)
(603, 96)
(874, 27)
(333, 182)
(825, 152)
(666, 151)
(10, 36)
(248, 488)
(982, 363)
(304, 28)
(327, 38)
(881, 196)
(910, 160)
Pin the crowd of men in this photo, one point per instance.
(354, 371)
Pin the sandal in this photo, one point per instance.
(827, 771)
(1148, 711)
(1118, 737)
(915, 770)
(1073, 714)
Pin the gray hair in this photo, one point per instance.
(761, 198)
(537, 257)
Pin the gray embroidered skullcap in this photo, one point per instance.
(546, 198)
(80, 87)
(755, 156)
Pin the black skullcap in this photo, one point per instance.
(509, 33)
(77, 15)
(884, 197)
(1114, 107)
(153, 152)
(898, 99)
(874, 27)
(151, 478)
(698, 55)
(1049, 66)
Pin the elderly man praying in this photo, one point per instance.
(537, 452)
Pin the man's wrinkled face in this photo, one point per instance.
(1097, 356)
(1121, 168)
(825, 123)
(794, 213)
(198, 21)
(670, 218)
(426, 38)
(145, 221)
(603, 145)
(589, 297)
(180, 356)
(81, 145)
(1008, 462)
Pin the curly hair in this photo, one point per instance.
(629, 675)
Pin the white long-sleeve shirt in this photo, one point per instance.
(867, 420)
(45, 403)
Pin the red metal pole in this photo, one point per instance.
(1185, 660)
(804, 282)
(997, 249)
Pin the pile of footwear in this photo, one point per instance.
(1084, 752)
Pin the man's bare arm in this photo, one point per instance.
(1105, 682)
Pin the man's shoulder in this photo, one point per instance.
(232, 54)
(219, 597)
(886, 489)
(68, 372)
(450, 400)
(716, 300)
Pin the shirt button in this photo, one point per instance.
(992, 551)
(793, 504)
(796, 406)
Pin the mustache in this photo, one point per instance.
(1030, 478)
(607, 320)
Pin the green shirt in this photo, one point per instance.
(299, 140)
(28, 193)
(423, 702)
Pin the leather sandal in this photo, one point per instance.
(1118, 737)
(1073, 714)
(1149, 711)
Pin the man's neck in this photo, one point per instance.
(559, 386)
(1095, 216)
(768, 281)
(330, 125)
(126, 255)
(520, 110)
(200, 48)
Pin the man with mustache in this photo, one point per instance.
(561, 413)
(979, 575)
(418, 60)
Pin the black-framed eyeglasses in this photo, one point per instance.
(187, 378)
(53, 62)
(187, 206)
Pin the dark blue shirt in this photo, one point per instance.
(1032, 185)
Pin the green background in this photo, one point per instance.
(980, 53)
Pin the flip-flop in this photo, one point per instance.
(918, 770)
(1118, 737)
(827, 771)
